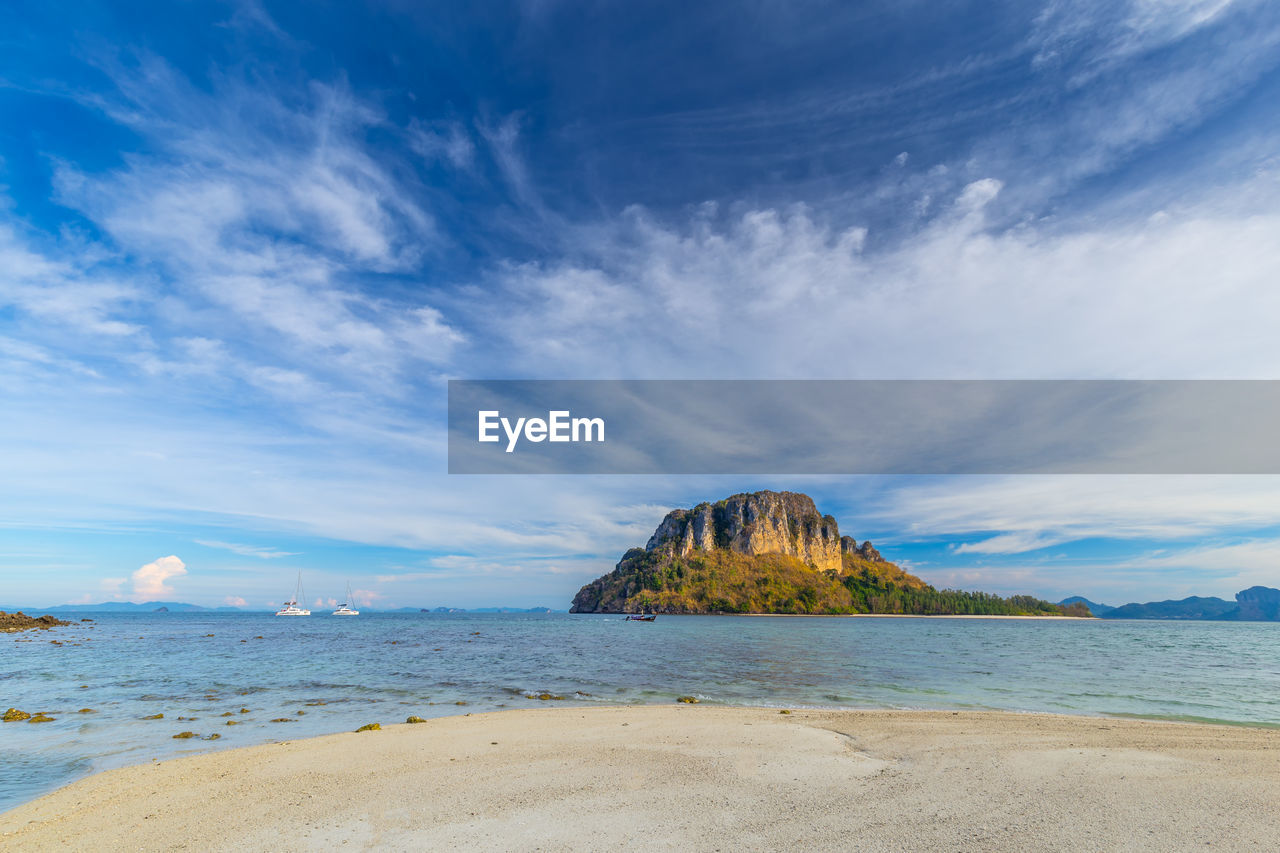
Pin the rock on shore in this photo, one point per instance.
(11, 622)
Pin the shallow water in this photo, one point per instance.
(329, 674)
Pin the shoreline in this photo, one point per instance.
(693, 777)
(894, 616)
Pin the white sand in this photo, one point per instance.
(693, 778)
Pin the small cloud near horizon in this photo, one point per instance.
(150, 581)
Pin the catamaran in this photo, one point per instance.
(291, 607)
(344, 609)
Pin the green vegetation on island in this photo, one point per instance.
(771, 552)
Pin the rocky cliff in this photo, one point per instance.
(759, 523)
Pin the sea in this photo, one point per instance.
(104, 681)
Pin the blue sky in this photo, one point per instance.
(243, 246)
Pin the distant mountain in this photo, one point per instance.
(511, 610)
(183, 607)
(130, 607)
(1195, 607)
(1255, 604)
(492, 610)
(1094, 607)
(461, 610)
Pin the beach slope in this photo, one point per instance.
(692, 778)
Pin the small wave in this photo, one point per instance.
(1192, 718)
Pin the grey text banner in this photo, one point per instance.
(864, 427)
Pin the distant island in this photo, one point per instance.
(1255, 604)
(132, 607)
(773, 552)
(184, 607)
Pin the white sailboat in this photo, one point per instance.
(292, 607)
(344, 609)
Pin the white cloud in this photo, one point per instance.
(1234, 566)
(446, 140)
(1174, 571)
(112, 587)
(1111, 32)
(1032, 512)
(62, 292)
(1008, 543)
(151, 581)
(234, 601)
(778, 293)
(247, 550)
(366, 597)
(263, 216)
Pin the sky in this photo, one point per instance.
(244, 245)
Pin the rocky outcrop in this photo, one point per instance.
(10, 622)
(850, 546)
(1258, 603)
(772, 552)
(764, 552)
(758, 523)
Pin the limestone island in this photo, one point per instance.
(773, 552)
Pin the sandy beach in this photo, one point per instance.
(692, 778)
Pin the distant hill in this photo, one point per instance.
(1255, 604)
(773, 552)
(1194, 607)
(511, 610)
(131, 607)
(1094, 607)
(464, 610)
(183, 607)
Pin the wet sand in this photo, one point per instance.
(693, 778)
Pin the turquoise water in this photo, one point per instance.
(384, 667)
